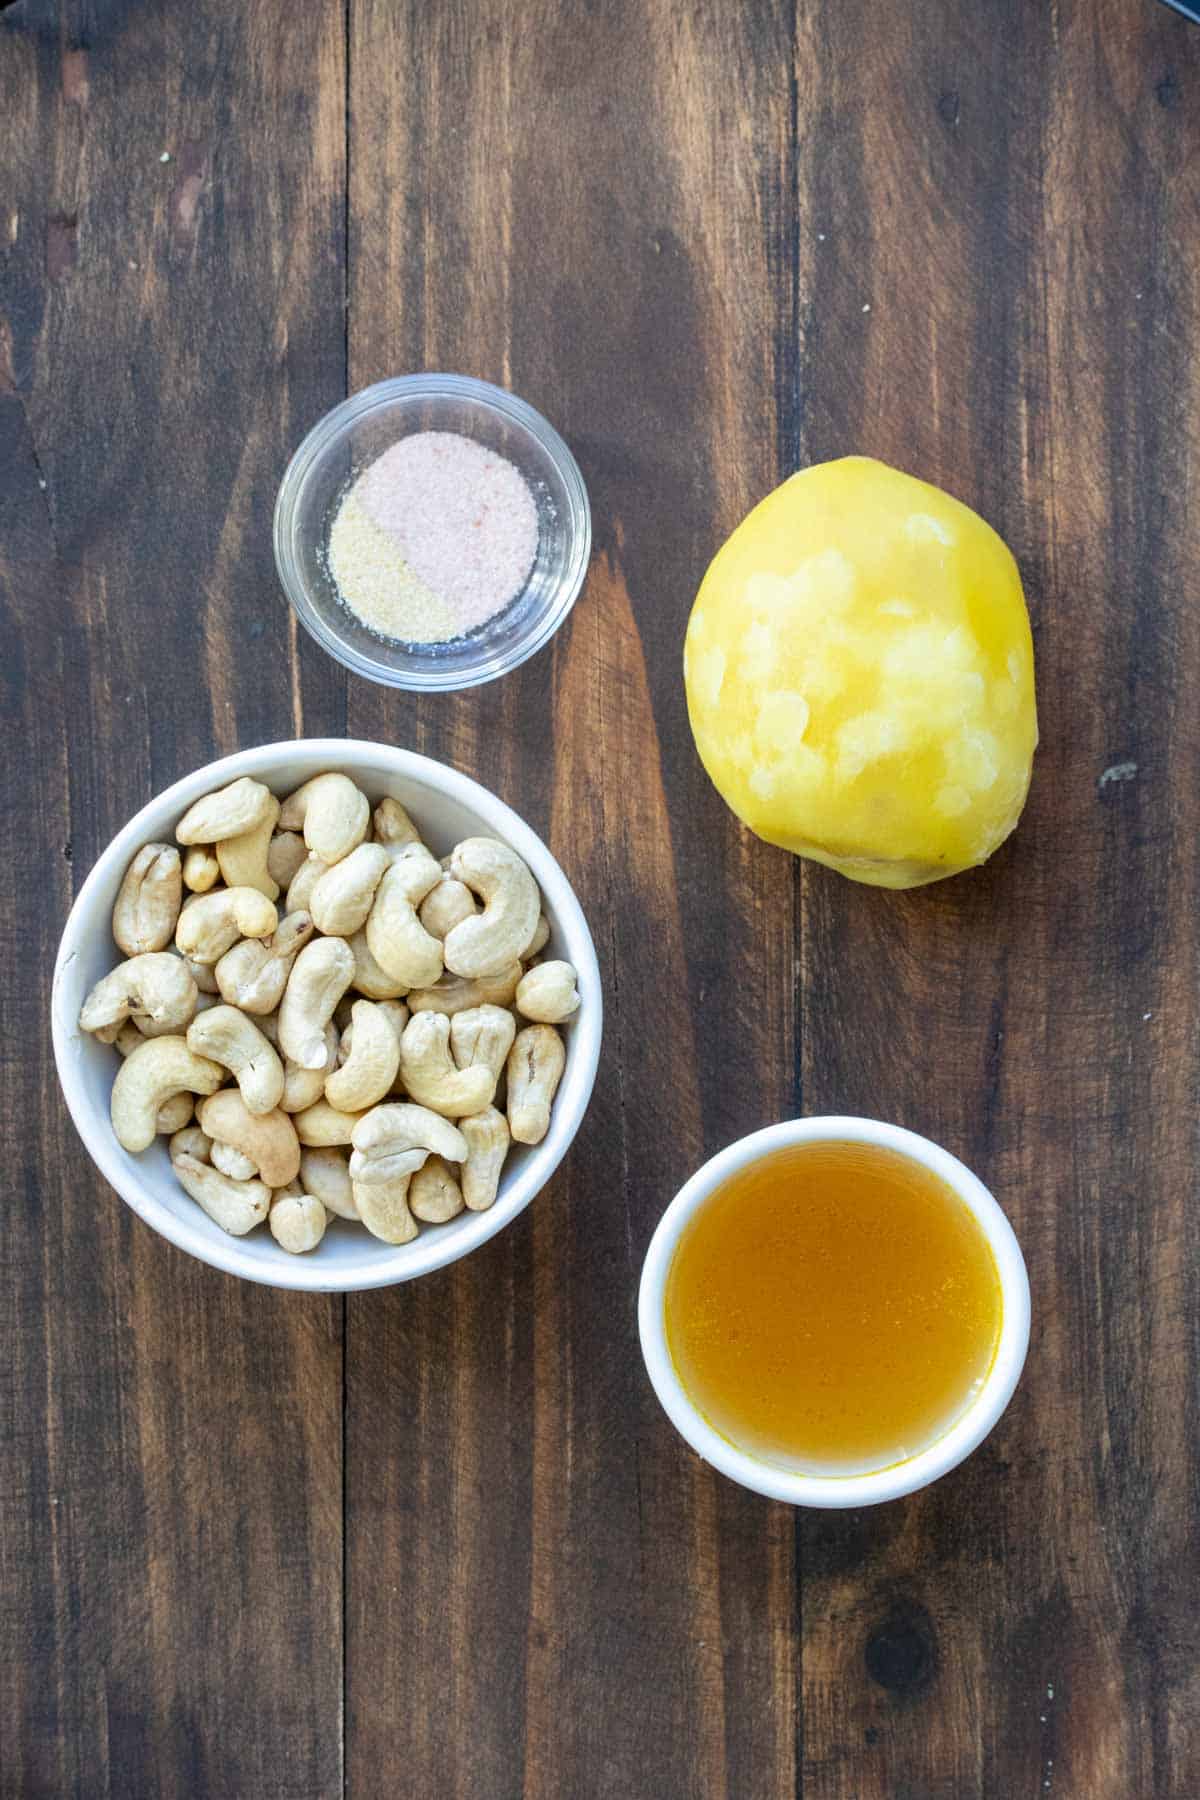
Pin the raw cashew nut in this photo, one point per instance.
(395, 1139)
(211, 924)
(243, 859)
(322, 1125)
(201, 870)
(365, 1172)
(370, 1069)
(202, 974)
(236, 1206)
(486, 943)
(481, 1036)
(234, 1163)
(394, 1011)
(430, 1075)
(155, 989)
(326, 1173)
(161, 1068)
(191, 1141)
(297, 1221)
(302, 1088)
(320, 976)
(254, 973)
(344, 895)
(393, 825)
(332, 814)
(227, 813)
(396, 1014)
(303, 882)
(174, 1115)
(454, 995)
(539, 940)
(231, 1037)
(396, 937)
(535, 1065)
(369, 978)
(548, 993)
(148, 900)
(371, 919)
(488, 1137)
(446, 906)
(434, 1195)
(285, 853)
(268, 1139)
(383, 1208)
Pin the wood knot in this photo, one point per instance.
(1166, 90)
(901, 1653)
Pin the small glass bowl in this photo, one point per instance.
(350, 437)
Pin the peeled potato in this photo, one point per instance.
(860, 675)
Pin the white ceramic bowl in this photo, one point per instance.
(837, 1490)
(447, 807)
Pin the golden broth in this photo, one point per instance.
(833, 1308)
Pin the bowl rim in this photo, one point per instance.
(874, 1486)
(432, 1250)
(335, 424)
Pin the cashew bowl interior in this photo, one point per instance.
(448, 807)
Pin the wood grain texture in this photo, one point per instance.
(544, 208)
(170, 1488)
(1020, 225)
(710, 242)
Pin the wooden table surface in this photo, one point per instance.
(440, 1540)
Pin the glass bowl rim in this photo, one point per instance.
(335, 424)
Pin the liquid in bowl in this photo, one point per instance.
(833, 1308)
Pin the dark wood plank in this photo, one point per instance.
(170, 1485)
(1014, 192)
(546, 1594)
(663, 225)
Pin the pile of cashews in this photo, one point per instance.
(368, 1053)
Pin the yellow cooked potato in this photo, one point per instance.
(860, 675)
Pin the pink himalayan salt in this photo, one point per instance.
(462, 518)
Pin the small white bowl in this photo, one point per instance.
(447, 807)
(917, 1471)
